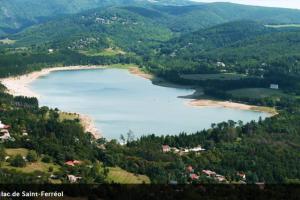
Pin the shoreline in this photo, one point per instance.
(89, 126)
(19, 86)
(202, 103)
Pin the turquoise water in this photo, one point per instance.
(119, 101)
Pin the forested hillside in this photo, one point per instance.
(226, 51)
(18, 14)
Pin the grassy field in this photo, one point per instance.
(30, 167)
(256, 93)
(68, 116)
(204, 77)
(14, 152)
(105, 52)
(7, 41)
(118, 175)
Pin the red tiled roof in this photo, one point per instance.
(194, 176)
(70, 163)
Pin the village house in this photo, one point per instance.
(3, 126)
(73, 162)
(197, 149)
(24, 132)
(73, 179)
(209, 173)
(4, 135)
(7, 158)
(194, 176)
(274, 86)
(221, 64)
(166, 148)
(220, 178)
(241, 175)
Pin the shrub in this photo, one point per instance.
(18, 161)
(32, 156)
(46, 159)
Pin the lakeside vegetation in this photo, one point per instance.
(235, 61)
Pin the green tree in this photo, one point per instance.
(18, 161)
(32, 156)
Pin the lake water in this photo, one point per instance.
(119, 101)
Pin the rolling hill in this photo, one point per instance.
(18, 14)
(112, 27)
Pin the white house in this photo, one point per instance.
(4, 135)
(221, 64)
(166, 148)
(274, 86)
(3, 126)
(73, 179)
(197, 149)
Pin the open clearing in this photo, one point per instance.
(14, 152)
(118, 175)
(7, 41)
(204, 77)
(105, 52)
(256, 93)
(30, 167)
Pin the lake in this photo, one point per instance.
(119, 101)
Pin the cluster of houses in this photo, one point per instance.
(4, 132)
(181, 151)
(72, 163)
(73, 178)
(113, 19)
(208, 173)
(211, 174)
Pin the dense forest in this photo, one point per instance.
(231, 57)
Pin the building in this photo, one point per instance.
(73, 162)
(50, 50)
(4, 135)
(166, 148)
(241, 175)
(197, 149)
(3, 126)
(221, 64)
(220, 178)
(209, 173)
(274, 86)
(73, 179)
(194, 176)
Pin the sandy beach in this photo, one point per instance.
(89, 126)
(232, 105)
(19, 86)
(137, 71)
